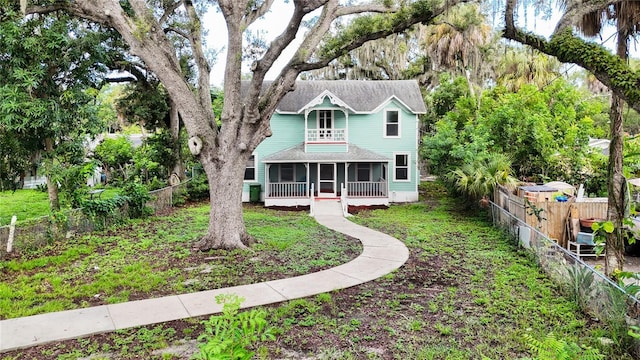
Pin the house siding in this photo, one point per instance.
(366, 131)
(293, 126)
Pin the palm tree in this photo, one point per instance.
(459, 42)
(519, 67)
(478, 179)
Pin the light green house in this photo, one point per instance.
(356, 140)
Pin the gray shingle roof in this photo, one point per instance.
(297, 154)
(362, 96)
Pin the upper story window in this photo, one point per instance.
(325, 124)
(250, 169)
(392, 123)
(401, 167)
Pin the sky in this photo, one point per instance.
(276, 20)
(272, 24)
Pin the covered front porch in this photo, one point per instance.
(295, 178)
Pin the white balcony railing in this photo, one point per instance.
(288, 190)
(328, 135)
(367, 189)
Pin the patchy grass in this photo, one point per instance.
(29, 204)
(25, 204)
(464, 293)
(153, 257)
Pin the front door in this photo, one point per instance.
(327, 180)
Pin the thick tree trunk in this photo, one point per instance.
(52, 187)
(174, 128)
(226, 223)
(616, 202)
(614, 259)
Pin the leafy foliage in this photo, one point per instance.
(198, 187)
(145, 103)
(479, 178)
(552, 348)
(137, 196)
(229, 336)
(115, 154)
(545, 132)
(101, 211)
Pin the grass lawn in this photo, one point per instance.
(464, 293)
(30, 204)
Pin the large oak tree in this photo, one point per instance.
(224, 150)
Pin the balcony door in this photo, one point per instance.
(327, 180)
(325, 125)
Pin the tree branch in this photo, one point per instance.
(277, 46)
(169, 11)
(256, 13)
(364, 29)
(195, 38)
(576, 10)
(180, 32)
(365, 8)
(568, 48)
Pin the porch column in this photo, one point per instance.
(346, 130)
(388, 178)
(346, 177)
(267, 190)
(306, 129)
(306, 165)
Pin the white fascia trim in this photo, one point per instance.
(389, 100)
(320, 99)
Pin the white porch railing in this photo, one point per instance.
(331, 135)
(288, 190)
(367, 189)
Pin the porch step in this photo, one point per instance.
(324, 207)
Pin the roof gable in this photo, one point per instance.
(358, 96)
(319, 100)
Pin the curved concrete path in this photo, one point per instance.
(381, 255)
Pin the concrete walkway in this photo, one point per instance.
(381, 255)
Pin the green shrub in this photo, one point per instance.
(102, 211)
(551, 348)
(198, 188)
(137, 197)
(229, 335)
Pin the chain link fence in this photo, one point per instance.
(594, 292)
(35, 233)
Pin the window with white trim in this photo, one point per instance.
(363, 172)
(392, 123)
(250, 169)
(401, 167)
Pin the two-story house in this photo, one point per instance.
(355, 139)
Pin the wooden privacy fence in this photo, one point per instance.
(554, 214)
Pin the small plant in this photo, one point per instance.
(600, 231)
(229, 335)
(551, 348)
(532, 209)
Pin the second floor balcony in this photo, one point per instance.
(326, 135)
